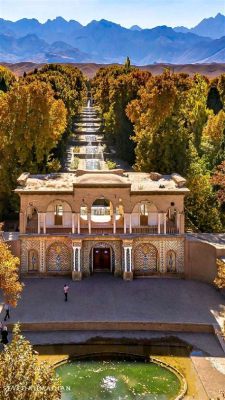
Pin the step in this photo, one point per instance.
(115, 326)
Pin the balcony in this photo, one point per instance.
(98, 222)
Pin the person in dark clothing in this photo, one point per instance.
(66, 289)
(4, 334)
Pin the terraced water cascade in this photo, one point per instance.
(85, 150)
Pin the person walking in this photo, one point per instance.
(6, 308)
(4, 334)
(66, 289)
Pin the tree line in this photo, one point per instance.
(170, 123)
(37, 112)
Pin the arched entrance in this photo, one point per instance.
(102, 258)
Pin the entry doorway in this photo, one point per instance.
(101, 260)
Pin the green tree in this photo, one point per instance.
(114, 88)
(213, 100)
(127, 64)
(7, 79)
(22, 376)
(201, 198)
(213, 139)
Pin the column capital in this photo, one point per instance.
(127, 243)
(77, 243)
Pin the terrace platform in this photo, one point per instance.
(106, 303)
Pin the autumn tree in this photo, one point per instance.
(218, 180)
(22, 376)
(9, 278)
(219, 281)
(32, 121)
(67, 83)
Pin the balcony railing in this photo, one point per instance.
(101, 223)
(146, 229)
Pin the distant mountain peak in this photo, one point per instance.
(107, 42)
(135, 28)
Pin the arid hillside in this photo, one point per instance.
(90, 69)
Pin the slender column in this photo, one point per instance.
(159, 223)
(76, 274)
(39, 223)
(23, 222)
(78, 224)
(164, 222)
(130, 259)
(44, 223)
(73, 223)
(130, 223)
(128, 273)
(114, 223)
(89, 223)
(125, 259)
(182, 223)
(178, 222)
(76, 258)
(79, 266)
(125, 223)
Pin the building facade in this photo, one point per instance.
(78, 223)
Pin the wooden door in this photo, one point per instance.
(101, 260)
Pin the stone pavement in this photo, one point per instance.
(103, 297)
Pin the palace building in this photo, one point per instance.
(129, 224)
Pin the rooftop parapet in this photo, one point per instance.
(179, 180)
(22, 180)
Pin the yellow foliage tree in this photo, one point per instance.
(9, 280)
(220, 279)
(22, 376)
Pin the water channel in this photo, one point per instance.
(88, 152)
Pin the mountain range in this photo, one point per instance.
(103, 41)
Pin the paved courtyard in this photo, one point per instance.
(103, 297)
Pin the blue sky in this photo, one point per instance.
(146, 13)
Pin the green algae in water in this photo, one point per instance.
(117, 380)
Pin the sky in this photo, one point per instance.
(145, 13)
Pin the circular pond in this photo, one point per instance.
(117, 380)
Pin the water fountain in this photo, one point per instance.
(119, 378)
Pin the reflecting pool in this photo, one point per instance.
(117, 380)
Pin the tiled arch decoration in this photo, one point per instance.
(178, 247)
(58, 258)
(26, 246)
(171, 259)
(33, 260)
(146, 258)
